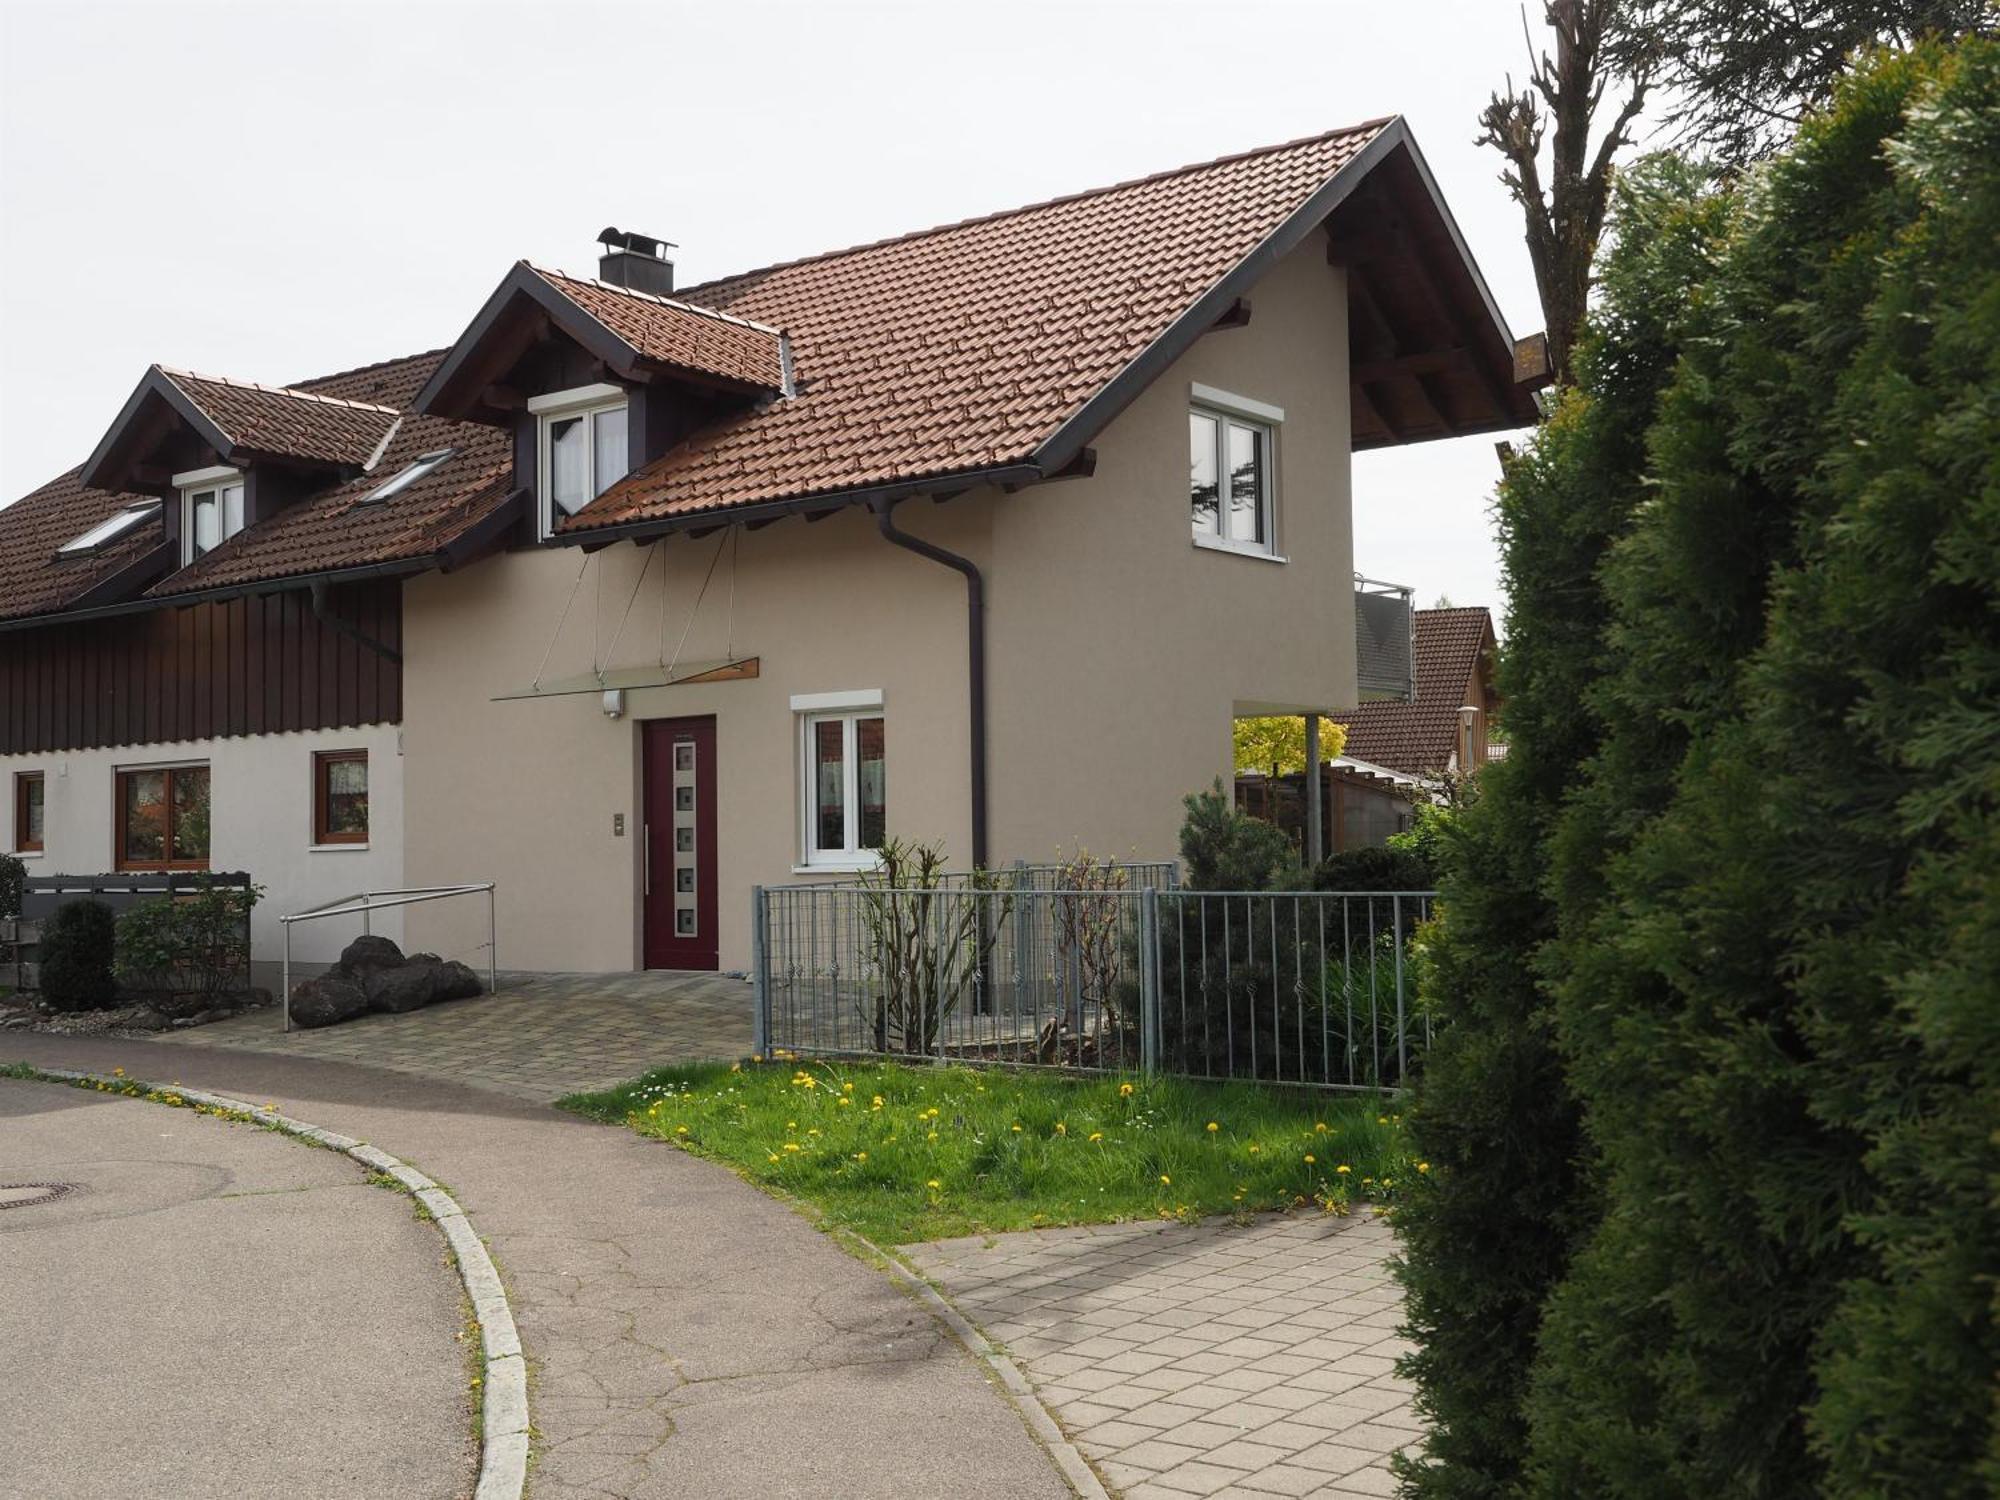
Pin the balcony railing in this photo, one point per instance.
(1385, 654)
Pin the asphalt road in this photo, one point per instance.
(217, 1310)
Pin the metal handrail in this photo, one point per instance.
(366, 902)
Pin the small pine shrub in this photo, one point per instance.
(13, 881)
(73, 956)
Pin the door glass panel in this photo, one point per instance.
(1246, 484)
(1201, 474)
(869, 772)
(569, 464)
(145, 815)
(190, 792)
(829, 785)
(608, 436)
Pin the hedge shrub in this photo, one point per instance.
(73, 956)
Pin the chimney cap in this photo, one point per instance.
(614, 240)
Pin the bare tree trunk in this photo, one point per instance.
(1565, 219)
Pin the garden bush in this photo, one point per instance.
(187, 952)
(13, 883)
(1716, 1119)
(1373, 869)
(73, 957)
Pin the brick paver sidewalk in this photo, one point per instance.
(542, 1036)
(1203, 1359)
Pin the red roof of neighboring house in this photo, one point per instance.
(1420, 738)
(297, 423)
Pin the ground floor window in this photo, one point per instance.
(163, 818)
(340, 797)
(28, 791)
(845, 785)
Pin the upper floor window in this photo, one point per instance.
(1232, 478)
(211, 509)
(109, 530)
(409, 474)
(580, 449)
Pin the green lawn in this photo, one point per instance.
(902, 1153)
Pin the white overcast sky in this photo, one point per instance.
(273, 191)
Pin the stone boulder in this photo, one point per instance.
(367, 954)
(331, 998)
(404, 988)
(457, 981)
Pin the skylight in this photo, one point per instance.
(409, 476)
(107, 531)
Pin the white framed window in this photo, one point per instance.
(580, 449)
(843, 783)
(211, 509)
(417, 469)
(1232, 472)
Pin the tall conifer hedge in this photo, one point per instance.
(1715, 1200)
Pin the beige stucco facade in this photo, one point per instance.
(1118, 652)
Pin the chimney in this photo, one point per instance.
(636, 261)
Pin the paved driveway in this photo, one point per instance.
(1203, 1359)
(215, 1310)
(542, 1036)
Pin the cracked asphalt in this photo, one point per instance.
(686, 1335)
(216, 1310)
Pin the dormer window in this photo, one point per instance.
(580, 449)
(211, 509)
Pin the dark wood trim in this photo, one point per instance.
(23, 780)
(323, 832)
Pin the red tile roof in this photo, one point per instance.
(33, 580)
(1420, 738)
(295, 423)
(967, 347)
(679, 333)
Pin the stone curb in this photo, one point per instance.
(503, 1448)
(1034, 1411)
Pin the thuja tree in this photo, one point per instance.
(1780, 1014)
(1490, 1230)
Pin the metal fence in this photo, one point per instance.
(1294, 987)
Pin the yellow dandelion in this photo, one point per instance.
(1255, 1148)
(878, 1102)
(1320, 1128)
(933, 1184)
(1017, 1126)
(1097, 1135)
(756, 1057)
(861, 1156)
(932, 1136)
(117, 1072)
(1124, 1091)
(680, 1130)
(774, 1156)
(1309, 1158)
(1343, 1169)
(843, 1101)
(1213, 1127)
(847, 1088)
(1061, 1129)
(1423, 1166)
(1166, 1180)
(791, 1145)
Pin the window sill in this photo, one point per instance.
(839, 867)
(1234, 549)
(30, 853)
(337, 848)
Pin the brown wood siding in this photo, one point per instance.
(256, 665)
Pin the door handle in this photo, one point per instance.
(646, 838)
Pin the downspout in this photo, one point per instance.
(975, 645)
(353, 632)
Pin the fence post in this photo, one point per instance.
(1402, 1050)
(1149, 981)
(760, 974)
(285, 984)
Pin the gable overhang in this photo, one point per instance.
(150, 413)
(1388, 171)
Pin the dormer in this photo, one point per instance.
(225, 454)
(597, 379)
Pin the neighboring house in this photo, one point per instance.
(1443, 730)
(633, 598)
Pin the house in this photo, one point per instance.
(634, 597)
(1396, 753)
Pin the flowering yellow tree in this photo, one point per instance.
(1276, 743)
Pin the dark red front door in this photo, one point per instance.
(679, 834)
